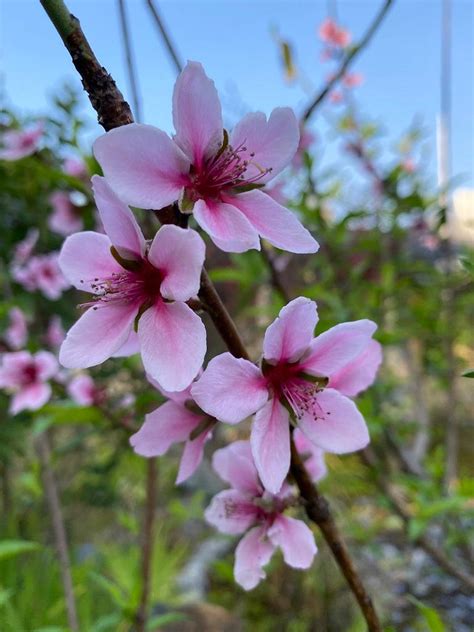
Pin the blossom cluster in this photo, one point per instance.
(141, 300)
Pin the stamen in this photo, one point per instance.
(302, 397)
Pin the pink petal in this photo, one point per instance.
(230, 389)
(30, 397)
(97, 335)
(197, 114)
(86, 256)
(46, 364)
(170, 423)
(118, 220)
(274, 222)
(192, 456)
(231, 512)
(228, 228)
(295, 539)
(312, 454)
(270, 441)
(81, 389)
(252, 553)
(273, 142)
(130, 347)
(142, 164)
(234, 464)
(16, 334)
(179, 254)
(360, 373)
(290, 335)
(336, 347)
(179, 397)
(340, 428)
(173, 344)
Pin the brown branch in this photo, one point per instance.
(59, 531)
(131, 71)
(348, 59)
(148, 537)
(228, 331)
(165, 36)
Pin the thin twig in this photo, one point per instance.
(348, 59)
(148, 538)
(59, 531)
(165, 36)
(131, 71)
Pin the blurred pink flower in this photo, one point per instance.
(135, 285)
(55, 333)
(408, 165)
(313, 456)
(353, 79)
(16, 333)
(333, 34)
(20, 143)
(175, 421)
(65, 218)
(335, 97)
(307, 138)
(42, 273)
(24, 249)
(248, 507)
(82, 390)
(26, 376)
(76, 167)
(311, 377)
(213, 175)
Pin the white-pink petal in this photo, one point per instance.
(31, 397)
(228, 228)
(339, 428)
(118, 220)
(197, 115)
(234, 464)
(97, 335)
(192, 456)
(179, 254)
(291, 333)
(231, 511)
(273, 143)
(46, 365)
(270, 441)
(230, 389)
(143, 165)
(173, 344)
(360, 373)
(274, 222)
(253, 552)
(336, 347)
(295, 539)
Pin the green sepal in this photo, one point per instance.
(132, 265)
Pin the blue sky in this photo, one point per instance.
(233, 39)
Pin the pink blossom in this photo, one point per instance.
(277, 192)
(82, 390)
(42, 273)
(408, 165)
(75, 167)
(247, 507)
(333, 34)
(312, 454)
(214, 175)
(335, 97)
(20, 143)
(16, 333)
(24, 249)
(353, 79)
(65, 218)
(135, 285)
(177, 420)
(55, 333)
(309, 378)
(307, 138)
(26, 376)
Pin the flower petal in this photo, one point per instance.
(118, 220)
(252, 553)
(170, 423)
(130, 347)
(46, 364)
(360, 373)
(273, 143)
(270, 441)
(290, 335)
(142, 164)
(231, 512)
(197, 115)
(274, 222)
(340, 428)
(97, 335)
(86, 256)
(336, 347)
(228, 228)
(295, 539)
(192, 456)
(230, 389)
(30, 397)
(234, 464)
(179, 254)
(173, 344)
(312, 454)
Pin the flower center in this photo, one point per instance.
(29, 374)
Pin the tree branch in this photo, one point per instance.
(132, 75)
(348, 59)
(165, 36)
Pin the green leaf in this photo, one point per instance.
(430, 615)
(469, 373)
(163, 619)
(11, 548)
